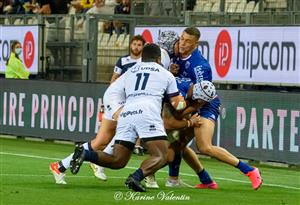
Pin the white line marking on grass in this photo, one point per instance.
(50, 175)
(162, 171)
(71, 176)
(29, 156)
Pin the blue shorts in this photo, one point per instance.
(211, 110)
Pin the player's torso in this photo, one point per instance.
(126, 62)
(194, 67)
(145, 84)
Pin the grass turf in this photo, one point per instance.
(25, 180)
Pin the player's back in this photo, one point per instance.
(147, 82)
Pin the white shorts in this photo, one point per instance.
(112, 103)
(139, 121)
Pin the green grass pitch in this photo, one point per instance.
(25, 180)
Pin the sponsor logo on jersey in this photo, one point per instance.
(152, 128)
(199, 73)
(135, 69)
(150, 69)
(133, 112)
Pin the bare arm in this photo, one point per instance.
(193, 107)
(171, 123)
(114, 77)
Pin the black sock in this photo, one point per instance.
(138, 175)
(91, 156)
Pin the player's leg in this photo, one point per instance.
(203, 136)
(121, 154)
(157, 148)
(193, 161)
(99, 171)
(103, 137)
(174, 166)
(59, 168)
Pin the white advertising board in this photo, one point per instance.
(255, 55)
(28, 36)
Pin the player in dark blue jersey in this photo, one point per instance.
(194, 66)
(169, 41)
(136, 46)
(181, 137)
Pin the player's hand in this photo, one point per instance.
(174, 68)
(195, 120)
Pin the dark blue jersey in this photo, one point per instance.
(124, 63)
(194, 67)
(183, 85)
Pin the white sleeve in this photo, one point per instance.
(117, 70)
(165, 59)
(172, 89)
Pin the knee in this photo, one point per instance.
(98, 144)
(207, 150)
(118, 163)
(163, 160)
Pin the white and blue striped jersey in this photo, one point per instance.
(124, 63)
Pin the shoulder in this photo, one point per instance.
(124, 57)
(124, 60)
(197, 59)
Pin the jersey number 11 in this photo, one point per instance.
(138, 80)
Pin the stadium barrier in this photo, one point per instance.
(254, 125)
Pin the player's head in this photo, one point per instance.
(189, 41)
(151, 53)
(136, 45)
(167, 40)
(204, 90)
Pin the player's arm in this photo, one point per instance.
(117, 71)
(178, 102)
(171, 123)
(192, 107)
(114, 77)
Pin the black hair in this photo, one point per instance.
(151, 52)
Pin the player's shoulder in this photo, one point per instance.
(124, 60)
(124, 57)
(197, 59)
